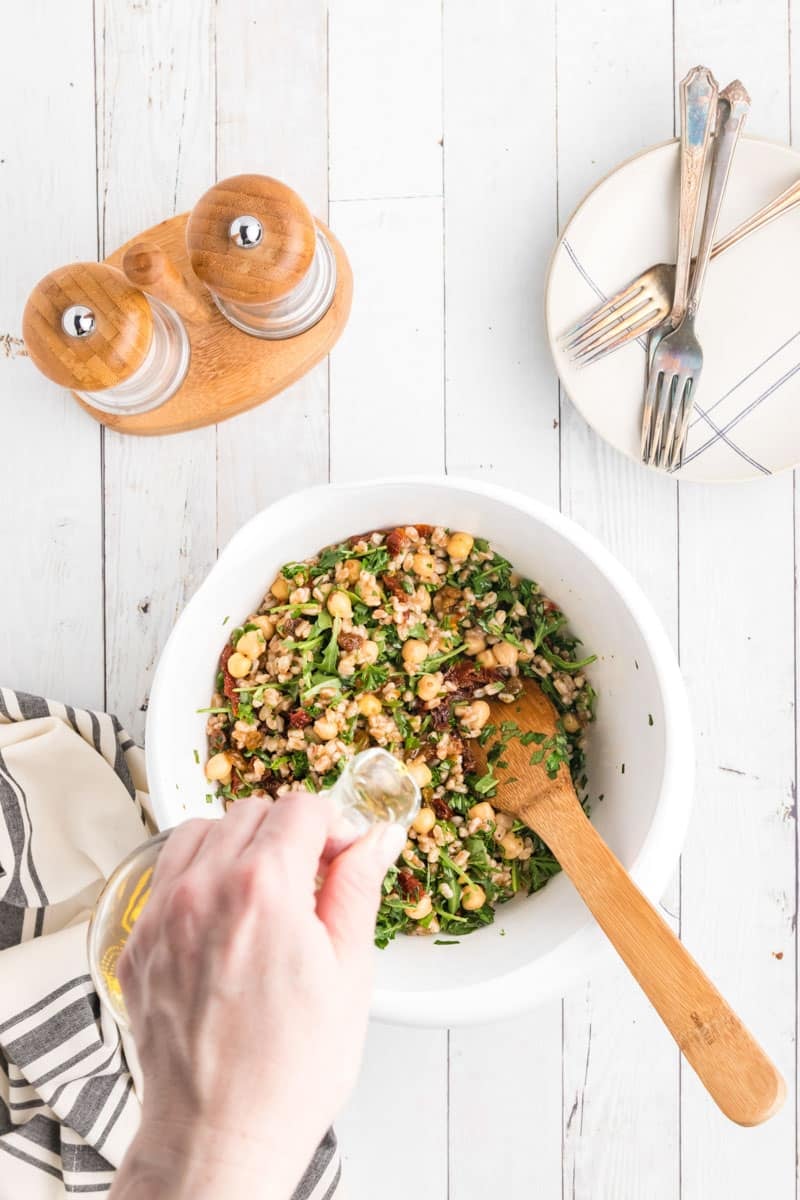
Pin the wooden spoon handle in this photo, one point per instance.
(730, 1063)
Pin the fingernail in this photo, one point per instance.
(390, 840)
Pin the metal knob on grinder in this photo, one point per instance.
(254, 244)
(89, 329)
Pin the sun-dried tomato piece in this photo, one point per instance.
(468, 677)
(423, 530)
(397, 541)
(442, 809)
(350, 641)
(409, 885)
(469, 762)
(440, 716)
(228, 682)
(288, 626)
(394, 583)
(299, 718)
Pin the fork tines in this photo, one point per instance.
(624, 317)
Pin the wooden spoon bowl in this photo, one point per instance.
(733, 1068)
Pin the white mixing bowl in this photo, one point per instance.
(640, 757)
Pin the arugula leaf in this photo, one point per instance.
(563, 664)
(375, 561)
(371, 677)
(291, 570)
(330, 658)
(434, 661)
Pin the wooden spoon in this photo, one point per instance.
(730, 1063)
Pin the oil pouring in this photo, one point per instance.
(374, 787)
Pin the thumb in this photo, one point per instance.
(348, 900)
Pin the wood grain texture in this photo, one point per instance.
(50, 517)
(229, 371)
(391, 53)
(395, 247)
(255, 274)
(621, 1075)
(272, 116)
(739, 907)
(156, 156)
(164, 77)
(732, 1066)
(150, 268)
(116, 347)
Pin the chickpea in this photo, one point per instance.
(280, 588)
(338, 605)
(369, 705)
(506, 654)
(512, 845)
(570, 722)
(265, 624)
(424, 565)
(351, 569)
(239, 665)
(502, 825)
(251, 644)
(325, 729)
(481, 812)
(414, 652)
(429, 686)
(473, 716)
(419, 771)
(422, 598)
(473, 896)
(424, 821)
(369, 651)
(420, 910)
(218, 767)
(459, 547)
(487, 659)
(474, 641)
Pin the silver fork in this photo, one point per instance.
(698, 96)
(647, 299)
(678, 357)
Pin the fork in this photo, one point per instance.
(647, 300)
(677, 359)
(698, 99)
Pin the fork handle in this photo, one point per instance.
(734, 107)
(776, 208)
(698, 106)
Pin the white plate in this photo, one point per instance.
(746, 422)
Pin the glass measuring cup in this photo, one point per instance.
(373, 787)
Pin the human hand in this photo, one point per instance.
(248, 993)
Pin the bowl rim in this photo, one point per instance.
(576, 958)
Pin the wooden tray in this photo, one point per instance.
(229, 371)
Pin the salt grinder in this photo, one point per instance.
(88, 328)
(269, 267)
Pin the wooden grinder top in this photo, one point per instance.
(118, 343)
(251, 274)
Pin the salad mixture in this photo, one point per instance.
(398, 638)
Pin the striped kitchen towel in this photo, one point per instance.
(73, 803)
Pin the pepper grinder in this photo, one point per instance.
(88, 328)
(269, 267)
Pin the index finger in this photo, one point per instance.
(295, 833)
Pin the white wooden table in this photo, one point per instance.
(447, 143)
